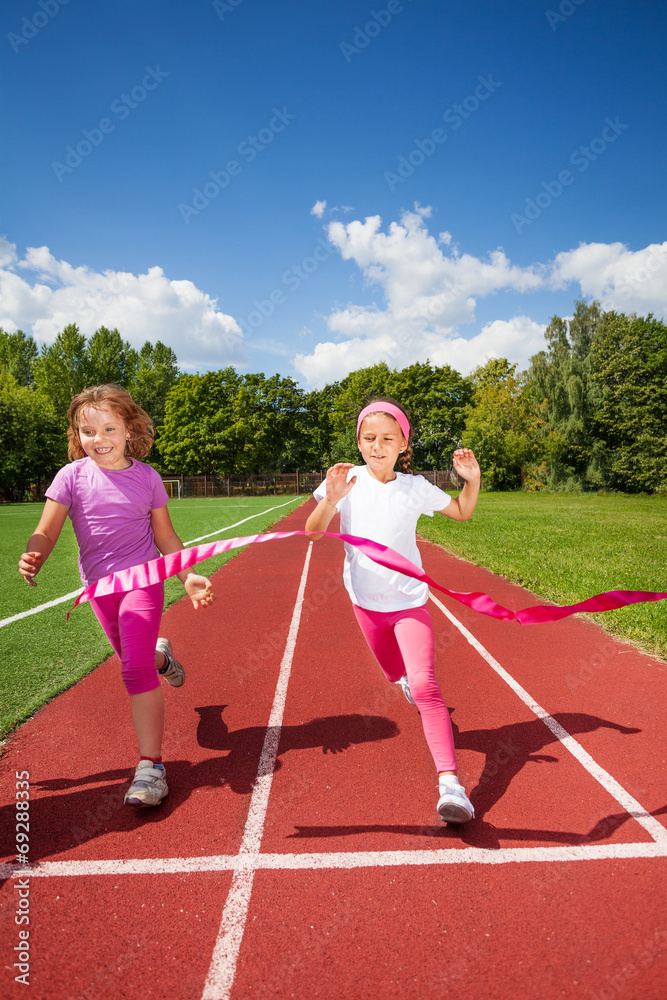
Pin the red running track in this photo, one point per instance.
(299, 853)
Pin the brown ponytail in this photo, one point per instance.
(404, 460)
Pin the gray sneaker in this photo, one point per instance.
(454, 805)
(172, 671)
(406, 689)
(149, 785)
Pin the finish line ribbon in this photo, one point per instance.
(136, 577)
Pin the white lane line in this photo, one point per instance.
(335, 859)
(229, 526)
(75, 593)
(42, 607)
(616, 790)
(222, 970)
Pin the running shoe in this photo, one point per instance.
(149, 785)
(406, 689)
(172, 671)
(454, 805)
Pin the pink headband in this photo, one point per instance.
(389, 408)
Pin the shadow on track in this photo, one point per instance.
(507, 750)
(61, 822)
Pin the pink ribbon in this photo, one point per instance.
(160, 569)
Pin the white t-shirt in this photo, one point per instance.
(385, 513)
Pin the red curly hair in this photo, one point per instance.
(118, 400)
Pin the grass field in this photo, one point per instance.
(566, 548)
(43, 654)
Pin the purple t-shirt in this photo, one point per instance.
(110, 511)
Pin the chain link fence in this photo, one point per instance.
(272, 484)
(254, 485)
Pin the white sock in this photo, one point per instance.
(449, 780)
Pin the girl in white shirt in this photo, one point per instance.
(376, 502)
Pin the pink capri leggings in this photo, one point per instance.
(402, 642)
(131, 623)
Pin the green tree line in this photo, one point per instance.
(589, 413)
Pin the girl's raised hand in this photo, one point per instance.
(337, 484)
(466, 465)
(200, 590)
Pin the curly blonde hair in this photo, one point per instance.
(118, 400)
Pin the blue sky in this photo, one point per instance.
(530, 139)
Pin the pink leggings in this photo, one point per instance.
(402, 642)
(131, 622)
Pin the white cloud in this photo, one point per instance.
(41, 294)
(517, 339)
(320, 207)
(424, 285)
(621, 279)
(430, 289)
(7, 252)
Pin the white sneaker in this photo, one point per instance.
(172, 671)
(406, 689)
(149, 785)
(454, 805)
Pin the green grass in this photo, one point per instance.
(566, 548)
(45, 654)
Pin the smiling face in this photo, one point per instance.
(103, 435)
(380, 443)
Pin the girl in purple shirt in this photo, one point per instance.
(118, 508)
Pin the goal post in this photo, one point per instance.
(169, 486)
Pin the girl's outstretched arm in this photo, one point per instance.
(41, 542)
(337, 488)
(467, 467)
(198, 588)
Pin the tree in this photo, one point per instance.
(61, 369)
(559, 380)
(197, 435)
(109, 358)
(155, 373)
(318, 416)
(32, 444)
(501, 424)
(17, 355)
(223, 422)
(629, 356)
(269, 424)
